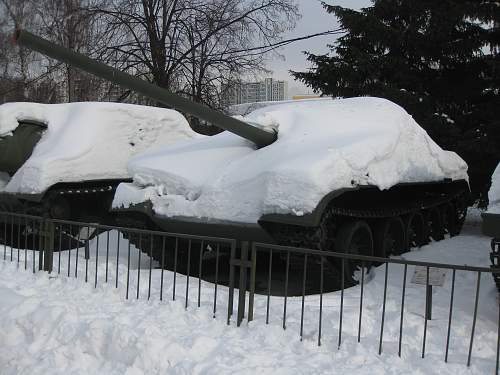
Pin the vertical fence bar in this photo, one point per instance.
(476, 302)
(60, 248)
(48, 246)
(269, 279)
(243, 283)
(107, 254)
(78, 249)
(199, 273)
(96, 259)
(162, 266)
(117, 258)
(26, 226)
(253, 271)
(361, 299)
(401, 319)
(5, 237)
(230, 303)
(175, 267)
(150, 264)
(12, 225)
(426, 316)
(40, 245)
(139, 266)
(216, 277)
(18, 238)
(450, 315)
(87, 258)
(128, 270)
(304, 276)
(34, 245)
(320, 301)
(187, 275)
(286, 287)
(70, 244)
(341, 302)
(383, 310)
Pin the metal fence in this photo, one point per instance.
(279, 283)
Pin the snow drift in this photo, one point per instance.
(494, 193)
(87, 141)
(322, 146)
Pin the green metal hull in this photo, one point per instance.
(491, 225)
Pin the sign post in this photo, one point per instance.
(429, 277)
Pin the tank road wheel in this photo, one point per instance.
(415, 230)
(449, 219)
(389, 237)
(434, 221)
(354, 237)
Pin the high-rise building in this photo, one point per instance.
(252, 92)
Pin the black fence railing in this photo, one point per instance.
(282, 284)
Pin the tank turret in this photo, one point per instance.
(254, 134)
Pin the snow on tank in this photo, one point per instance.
(87, 141)
(322, 146)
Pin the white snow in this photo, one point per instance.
(494, 193)
(52, 324)
(322, 146)
(88, 141)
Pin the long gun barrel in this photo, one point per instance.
(256, 135)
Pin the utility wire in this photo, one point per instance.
(256, 50)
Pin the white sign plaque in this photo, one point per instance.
(436, 276)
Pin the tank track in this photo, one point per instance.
(323, 237)
(57, 204)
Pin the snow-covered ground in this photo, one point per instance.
(52, 324)
(87, 141)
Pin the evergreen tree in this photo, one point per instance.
(437, 59)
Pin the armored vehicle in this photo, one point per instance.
(353, 175)
(66, 160)
(491, 223)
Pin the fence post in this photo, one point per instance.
(243, 282)
(230, 304)
(41, 244)
(48, 245)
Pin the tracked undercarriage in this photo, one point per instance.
(363, 221)
(84, 202)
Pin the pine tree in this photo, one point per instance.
(437, 59)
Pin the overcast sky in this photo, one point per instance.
(314, 20)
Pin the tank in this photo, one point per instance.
(80, 153)
(491, 223)
(491, 217)
(354, 175)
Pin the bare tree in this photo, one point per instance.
(192, 46)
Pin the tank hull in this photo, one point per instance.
(491, 224)
(365, 203)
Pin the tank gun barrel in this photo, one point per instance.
(256, 135)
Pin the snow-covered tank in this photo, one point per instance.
(66, 160)
(491, 223)
(350, 175)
